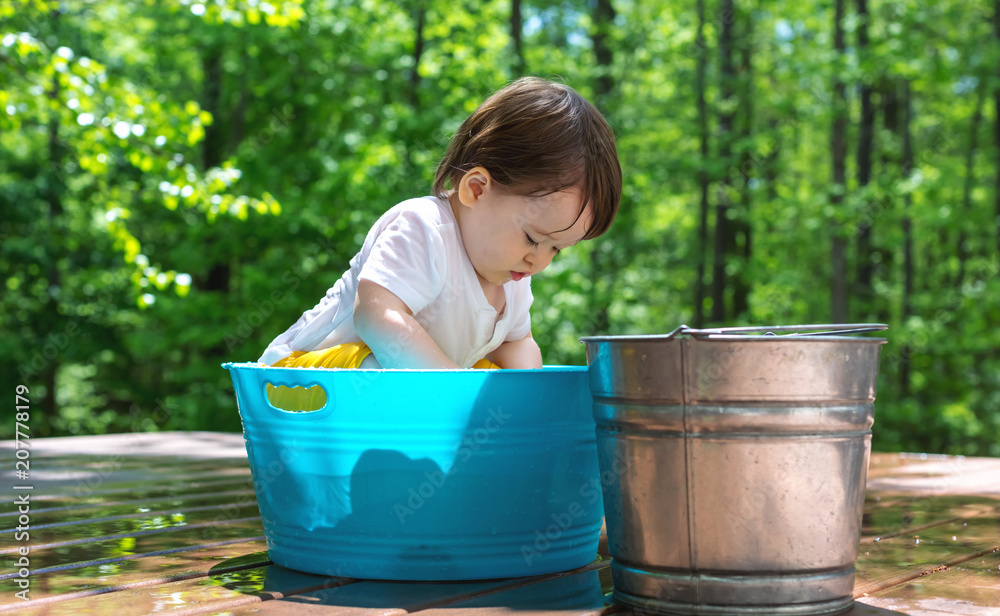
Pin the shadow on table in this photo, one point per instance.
(576, 591)
(861, 609)
(858, 609)
(583, 590)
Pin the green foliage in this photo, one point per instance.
(180, 180)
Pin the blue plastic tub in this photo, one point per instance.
(425, 475)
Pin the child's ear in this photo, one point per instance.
(473, 184)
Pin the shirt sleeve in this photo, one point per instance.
(309, 331)
(521, 325)
(406, 258)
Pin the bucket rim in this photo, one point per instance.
(729, 338)
(250, 365)
(837, 332)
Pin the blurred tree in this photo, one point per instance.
(145, 148)
(704, 184)
(838, 146)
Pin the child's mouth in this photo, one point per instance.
(515, 276)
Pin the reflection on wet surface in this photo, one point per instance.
(110, 498)
(895, 512)
(139, 521)
(244, 574)
(932, 556)
(100, 547)
(126, 536)
(971, 588)
(580, 589)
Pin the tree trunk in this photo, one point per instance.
(516, 30)
(907, 167)
(726, 91)
(604, 18)
(219, 274)
(604, 273)
(53, 196)
(968, 185)
(240, 114)
(838, 251)
(996, 120)
(211, 101)
(703, 183)
(418, 51)
(866, 137)
(742, 240)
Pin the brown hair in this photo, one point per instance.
(536, 137)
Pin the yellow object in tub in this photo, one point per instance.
(347, 356)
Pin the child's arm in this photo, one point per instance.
(386, 325)
(523, 353)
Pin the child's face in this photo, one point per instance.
(508, 236)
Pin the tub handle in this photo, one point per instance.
(837, 329)
(295, 378)
(252, 380)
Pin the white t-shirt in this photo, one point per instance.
(415, 251)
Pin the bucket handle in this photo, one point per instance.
(837, 329)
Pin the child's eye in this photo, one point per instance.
(530, 242)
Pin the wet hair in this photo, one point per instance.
(536, 137)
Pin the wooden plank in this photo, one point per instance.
(204, 594)
(876, 500)
(252, 586)
(857, 609)
(111, 569)
(118, 526)
(79, 511)
(78, 516)
(100, 548)
(881, 464)
(100, 552)
(935, 475)
(578, 590)
(180, 445)
(907, 556)
(911, 515)
(863, 609)
(110, 496)
(92, 485)
(260, 589)
(110, 575)
(969, 588)
(364, 597)
(107, 465)
(90, 544)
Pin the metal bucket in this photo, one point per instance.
(733, 465)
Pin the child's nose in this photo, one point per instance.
(538, 261)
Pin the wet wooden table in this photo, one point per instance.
(168, 523)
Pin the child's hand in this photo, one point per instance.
(386, 325)
(523, 353)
